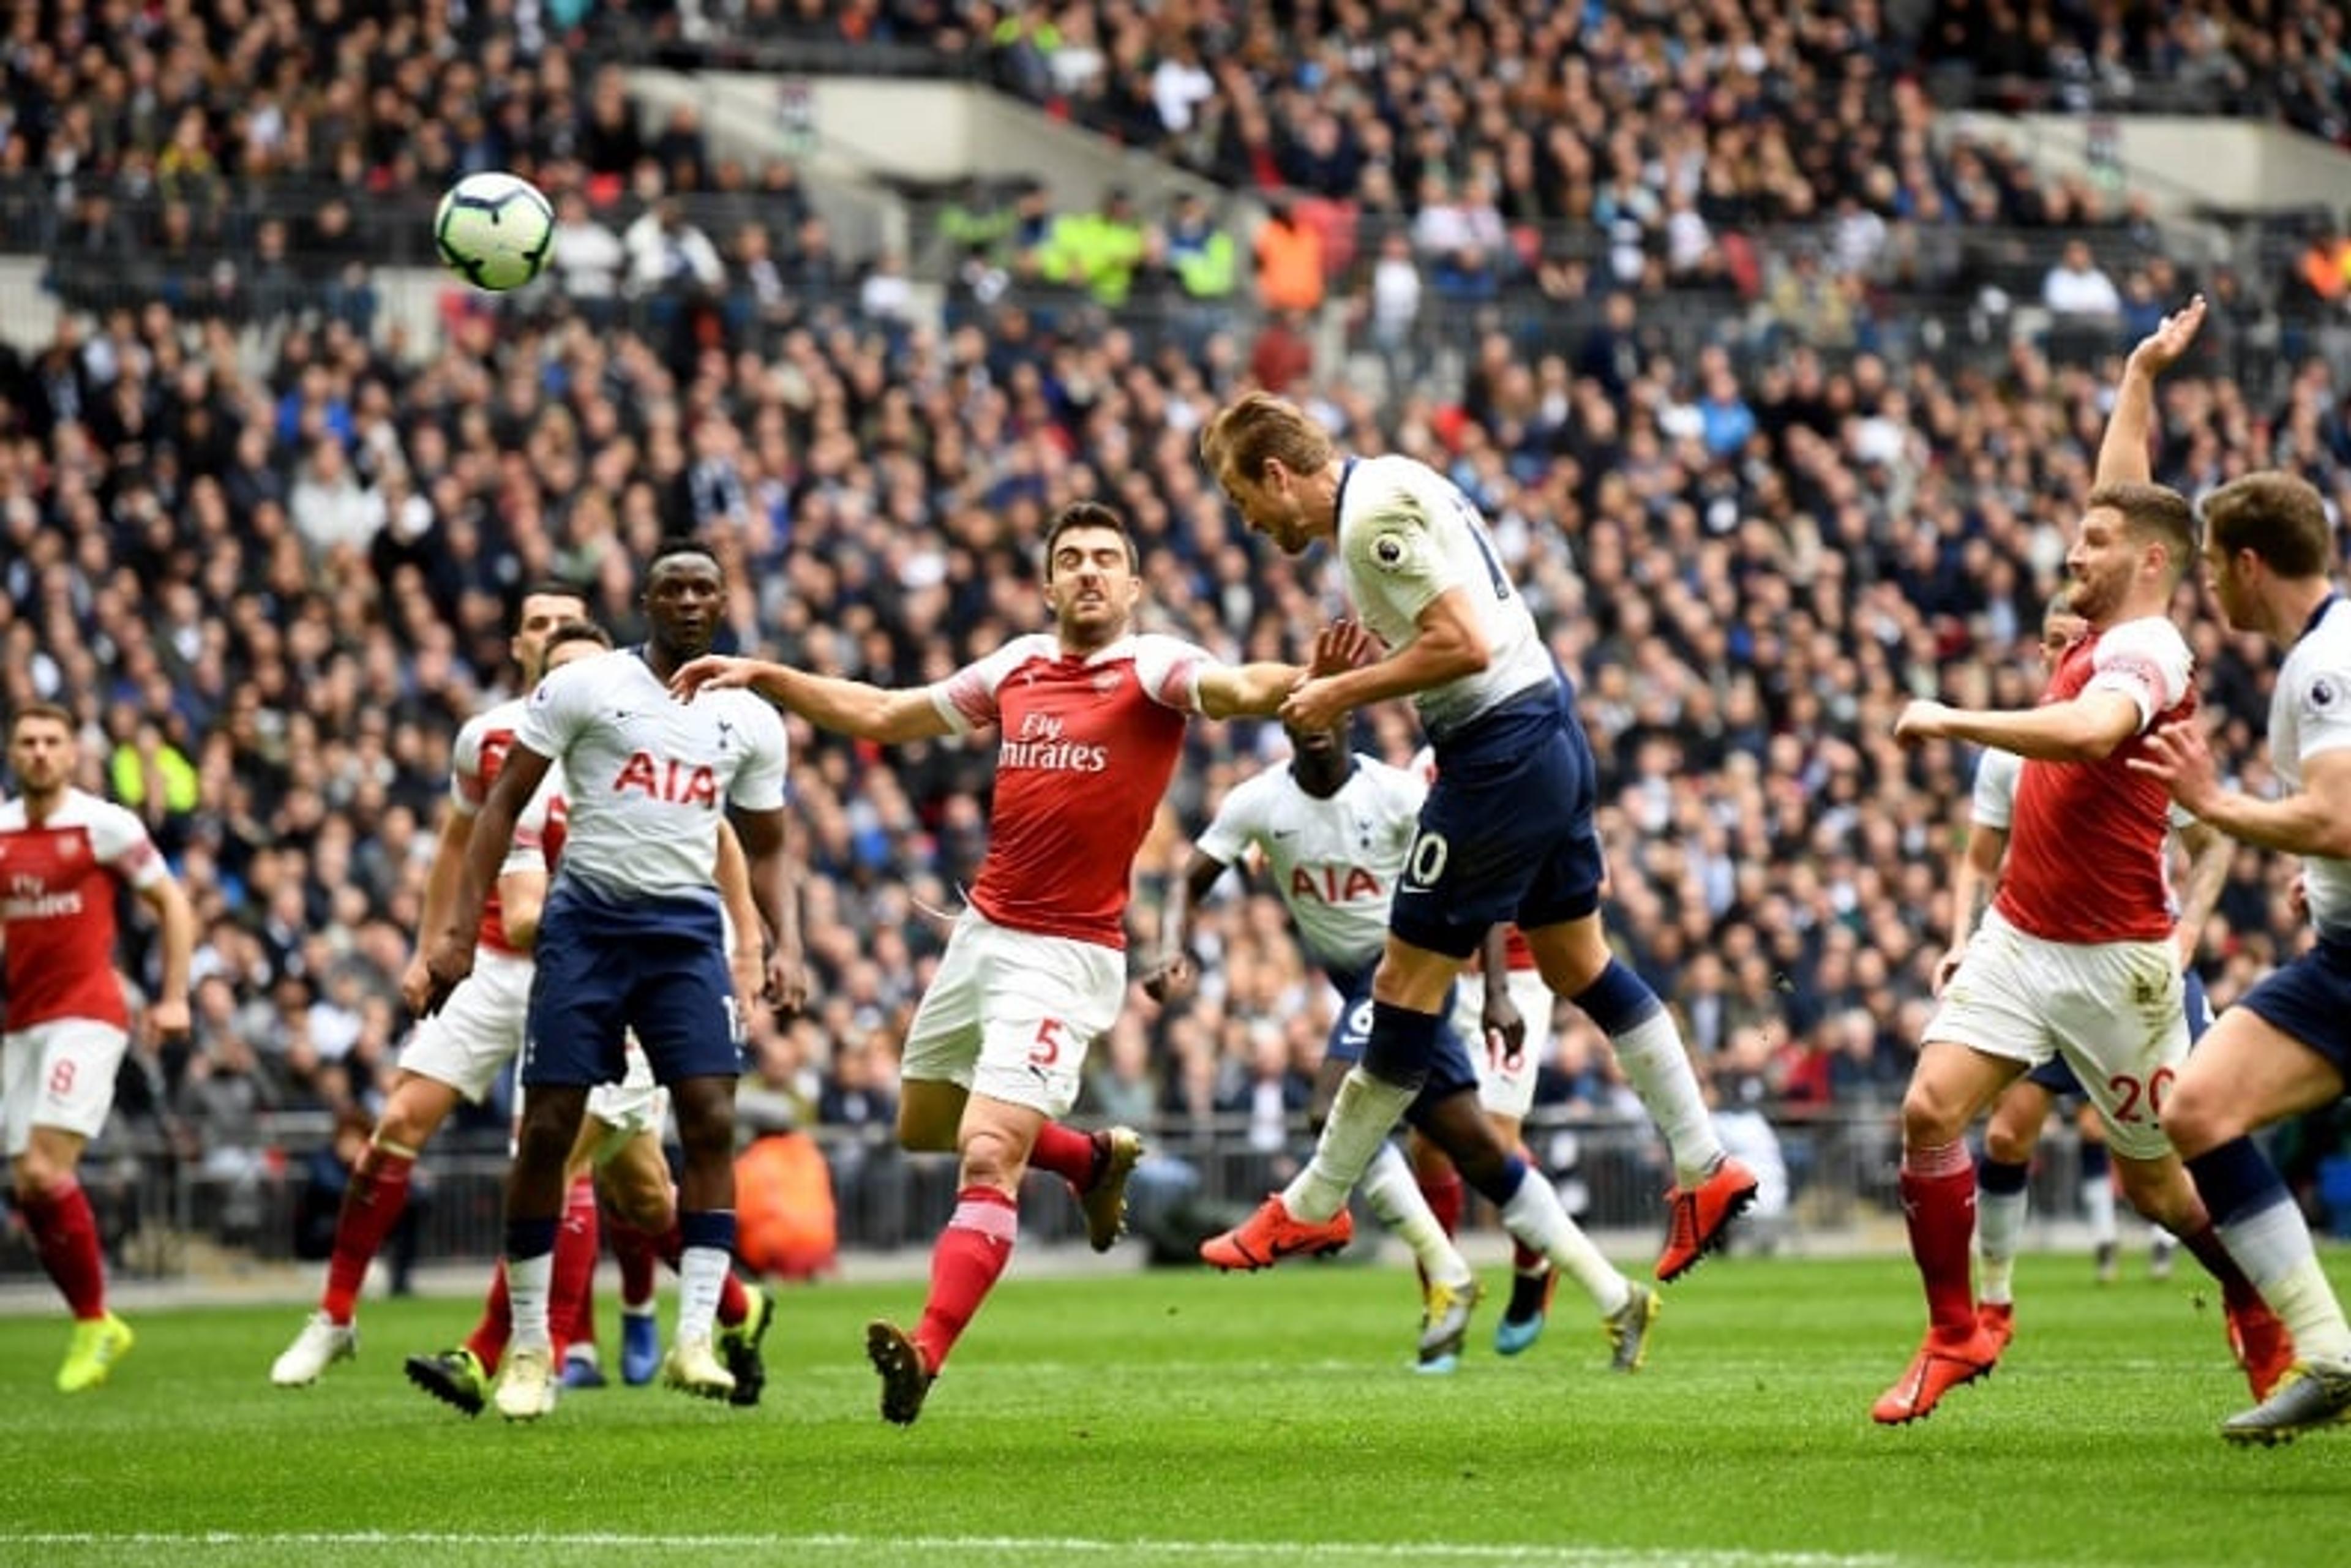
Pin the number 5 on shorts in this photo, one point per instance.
(1047, 1048)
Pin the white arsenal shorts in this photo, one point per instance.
(2112, 1009)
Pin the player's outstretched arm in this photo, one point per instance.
(1247, 689)
(2084, 730)
(1447, 643)
(846, 707)
(2122, 454)
(2315, 819)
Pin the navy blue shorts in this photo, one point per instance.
(2057, 1076)
(1450, 1068)
(606, 966)
(2309, 999)
(1507, 831)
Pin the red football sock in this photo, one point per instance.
(970, 1255)
(2236, 1290)
(634, 1251)
(1445, 1197)
(371, 1207)
(66, 1231)
(1066, 1153)
(1939, 1199)
(571, 1292)
(488, 1340)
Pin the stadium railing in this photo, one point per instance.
(170, 1215)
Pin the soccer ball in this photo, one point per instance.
(494, 231)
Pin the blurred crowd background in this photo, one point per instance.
(1781, 390)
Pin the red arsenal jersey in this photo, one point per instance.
(1089, 743)
(57, 902)
(2085, 849)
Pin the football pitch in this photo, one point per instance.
(1183, 1419)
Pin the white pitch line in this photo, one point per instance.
(1564, 1556)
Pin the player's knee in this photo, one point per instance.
(550, 1122)
(1929, 1117)
(706, 1133)
(2161, 1191)
(637, 1190)
(2009, 1143)
(33, 1173)
(993, 1157)
(411, 1116)
(2197, 1118)
(1458, 1127)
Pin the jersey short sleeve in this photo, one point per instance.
(1238, 822)
(1392, 548)
(968, 700)
(118, 838)
(468, 788)
(1170, 670)
(2147, 661)
(558, 709)
(2322, 707)
(1992, 804)
(758, 786)
(527, 851)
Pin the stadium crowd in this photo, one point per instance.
(271, 589)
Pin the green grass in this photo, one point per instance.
(1197, 1420)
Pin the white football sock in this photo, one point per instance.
(1389, 1189)
(2098, 1205)
(2273, 1246)
(1358, 1129)
(1659, 1071)
(1536, 1216)
(527, 1282)
(701, 1278)
(1999, 1225)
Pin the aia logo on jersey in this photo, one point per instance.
(668, 779)
(1332, 883)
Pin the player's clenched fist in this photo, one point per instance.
(446, 964)
(787, 984)
(1921, 722)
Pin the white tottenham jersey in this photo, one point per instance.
(646, 777)
(2309, 713)
(1407, 535)
(1334, 861)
